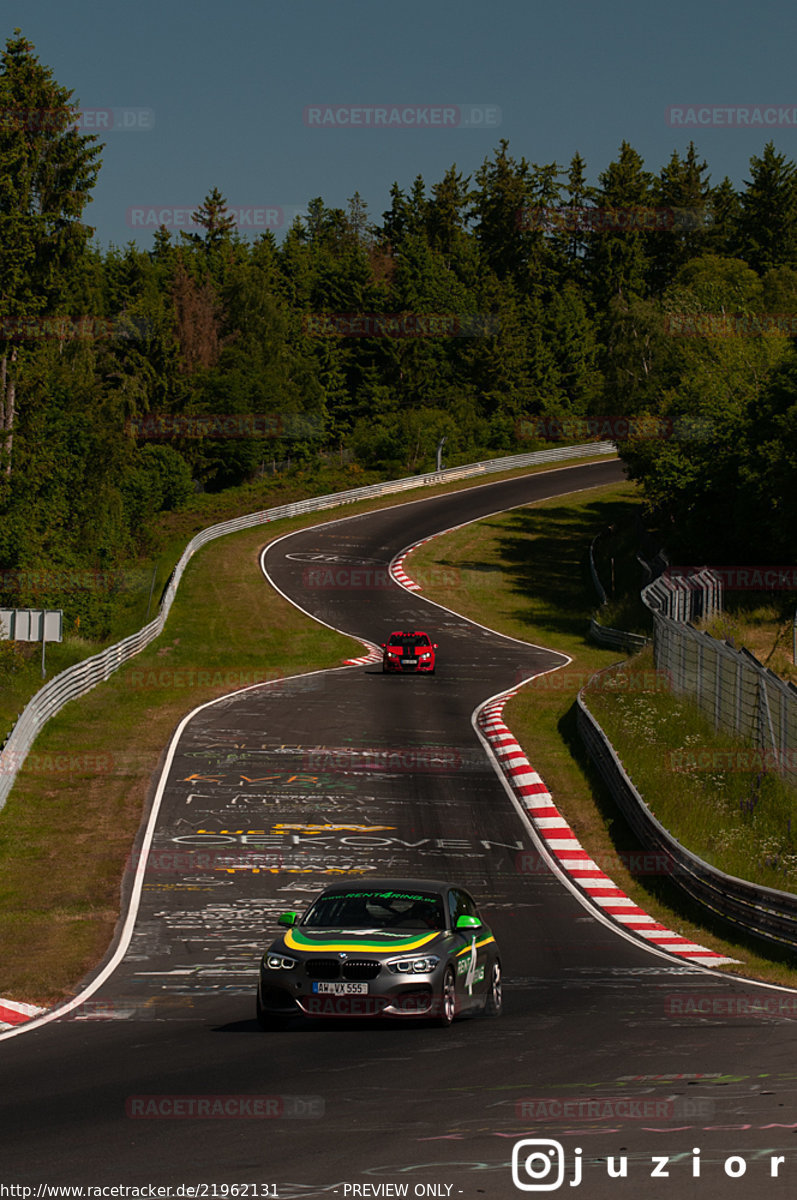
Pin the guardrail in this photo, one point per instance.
(765, 912)
(605, 635)
(79, 679)
(616, 639)
(593, 570)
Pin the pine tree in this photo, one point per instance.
(47, 171)
(446, 212)
(768, 219)
(680, 218)
(616, 258)
(722, 236)
(570, 221)
(500, 203)
(213, 218)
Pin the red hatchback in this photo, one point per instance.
(411, 651)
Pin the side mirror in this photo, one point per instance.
(466, 922)
(288, 918)
(383, 644)
(434, 645)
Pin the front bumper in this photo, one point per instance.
(396, 667)
(414, 995)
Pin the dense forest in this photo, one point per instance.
(499, 310)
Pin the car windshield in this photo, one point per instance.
(377, 910)
(408, 639)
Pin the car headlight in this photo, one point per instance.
(416, 964)
(279, 962)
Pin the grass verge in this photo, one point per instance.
(524, 573)
(764, 625)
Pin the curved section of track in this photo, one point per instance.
(270, 793)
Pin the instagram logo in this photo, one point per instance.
(538, 1165)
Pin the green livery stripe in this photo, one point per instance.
(483, 942)
(296, 940)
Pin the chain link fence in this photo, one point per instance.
(733, 689)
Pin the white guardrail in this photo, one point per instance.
(82, 677)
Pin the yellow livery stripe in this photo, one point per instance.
(483, 942)
(295, 942)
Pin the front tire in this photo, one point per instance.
(448, 999)
(494, 1004)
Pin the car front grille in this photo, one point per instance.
(361, 968)
(349, 968)
(323, 968)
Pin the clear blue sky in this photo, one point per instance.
(226, 91)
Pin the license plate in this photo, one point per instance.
(409, 662)
(340, 989)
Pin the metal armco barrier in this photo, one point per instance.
(604, 635)
(77, 680)
(764, 912)
(616, 639)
